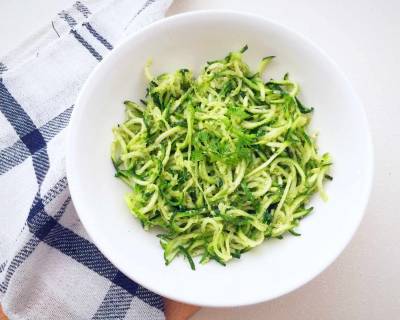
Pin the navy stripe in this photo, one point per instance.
(13, 156)
(18, 152)
(115, 304)
(14, 113)
(47, 229)
(55, 125)
(86, 45)
(124, 282)
(76, 247)
(39, 222)
(57, 189)
(36, 220)
(65, 15)
(60, 212)
(150, 298)
(3, 68)
(95, 34)
(47, 224)
(27, 132)
(34, 141)
(2, 266)
(52, 233)
(41, 165)
(37, 206)
(82, 8)
(26, 251)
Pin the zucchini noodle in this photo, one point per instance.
(218, 162)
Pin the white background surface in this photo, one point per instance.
(363, 37)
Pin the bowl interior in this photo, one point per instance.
(277, 266)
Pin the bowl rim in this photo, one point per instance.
(73, 181)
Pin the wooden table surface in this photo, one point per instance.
(2, 315)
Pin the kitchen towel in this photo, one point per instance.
(49, 267)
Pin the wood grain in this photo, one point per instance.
(178, 311)
(2, 315)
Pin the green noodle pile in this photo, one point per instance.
(219, 162)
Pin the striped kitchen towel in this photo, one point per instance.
(49, 267)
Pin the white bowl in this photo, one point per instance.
(188, 40)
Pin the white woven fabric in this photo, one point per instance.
(49, 268)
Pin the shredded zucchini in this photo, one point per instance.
(219, 162)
